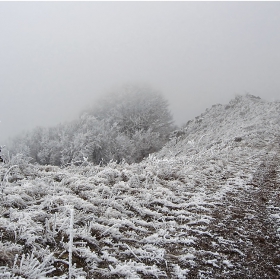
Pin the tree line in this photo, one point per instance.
(126, 124)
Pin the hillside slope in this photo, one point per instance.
(206, 206)
(254, 120)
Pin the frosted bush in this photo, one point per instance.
(28, 266)
(178, 272)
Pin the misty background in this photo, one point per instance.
(57, 58)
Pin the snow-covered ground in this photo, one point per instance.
(206, 206)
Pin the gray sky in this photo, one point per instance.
(56, 57)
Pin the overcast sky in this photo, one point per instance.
(56, 57)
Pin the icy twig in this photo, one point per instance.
(108, 229)
(5, 177)
(71, 242)
(132, 252)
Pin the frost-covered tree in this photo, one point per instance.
(133, 108)
(139, 120)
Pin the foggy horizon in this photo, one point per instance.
(57, 58)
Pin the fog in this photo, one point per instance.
(56, 58)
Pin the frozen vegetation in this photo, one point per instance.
(207, 205)
(127, 124)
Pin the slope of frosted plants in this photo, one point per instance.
(248, 119)
(152, 219)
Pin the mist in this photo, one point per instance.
(58, 57)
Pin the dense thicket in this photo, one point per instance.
(127, 124)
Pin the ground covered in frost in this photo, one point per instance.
(206, 206)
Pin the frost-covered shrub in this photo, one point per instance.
(28, 266)
(132, 269)
(8, 252)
